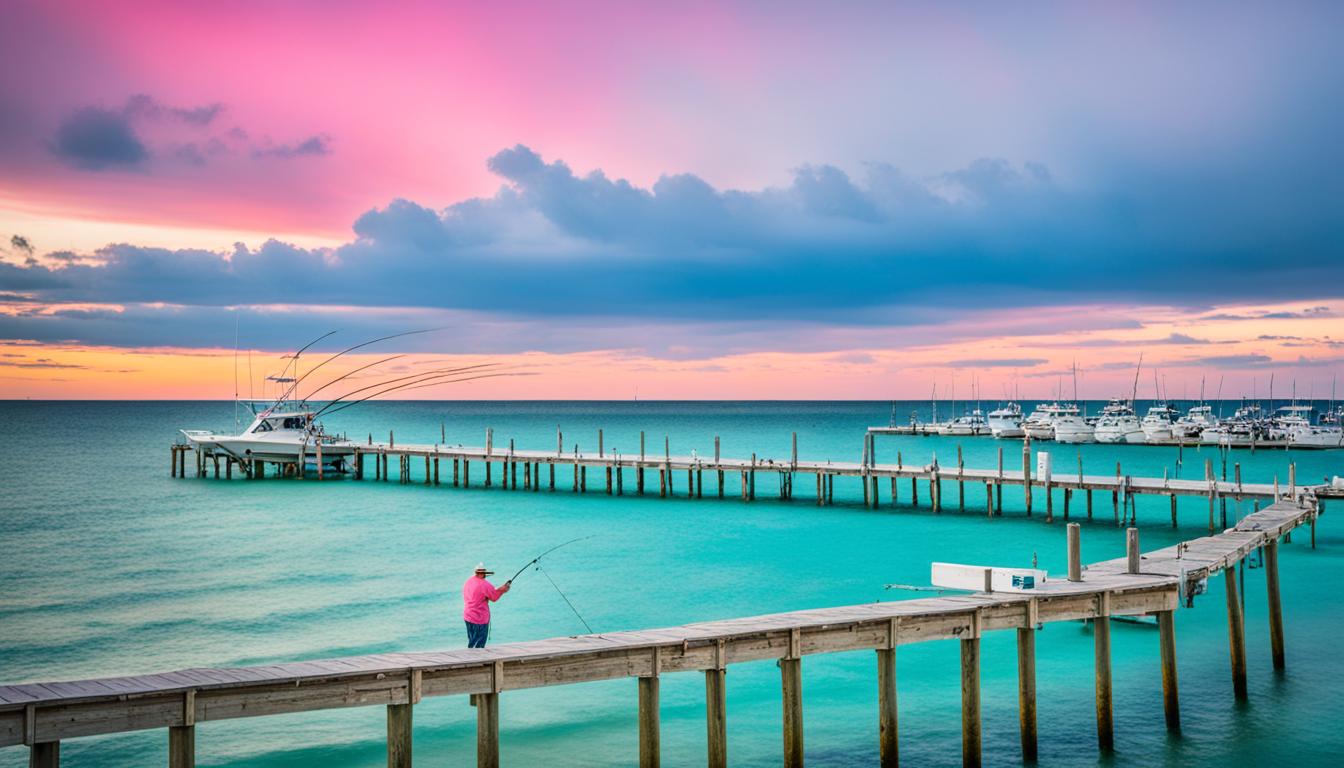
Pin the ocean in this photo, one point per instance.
(111, 567)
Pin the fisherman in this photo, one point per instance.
(477, 594)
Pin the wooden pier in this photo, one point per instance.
(42, 715)
(616, 473)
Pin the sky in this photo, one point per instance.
(693, 200)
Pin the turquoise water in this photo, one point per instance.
(110, 567)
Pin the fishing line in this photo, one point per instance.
(566, 599)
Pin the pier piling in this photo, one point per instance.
(1236, 634)
(1171, 700)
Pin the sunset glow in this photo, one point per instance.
(699, 201)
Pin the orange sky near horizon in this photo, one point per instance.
(1237, 348)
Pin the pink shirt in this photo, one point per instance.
(476, 596)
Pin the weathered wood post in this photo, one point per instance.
(1026, 682)
(970, 695)
(466, 473)
(1208, 478)
(716, 723)
(887, 731)
(487, 730)
(1101, 635)
(1292, 482)
(600, 448)
(1275, 607)
(791, 684)
(650, 750)
(399, 735)
(1236, 633)
(716, 462)
(44, 754)
(1132, 550)
(1026, 473)
(998, 489)
(1075, 545)
(1171, 699)
(182, 738)
(961, 483)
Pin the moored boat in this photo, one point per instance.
(1006, 421)
(1118, 424)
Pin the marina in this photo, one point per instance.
(1250, 427)
(1157, 583)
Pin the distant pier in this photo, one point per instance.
(491, 466)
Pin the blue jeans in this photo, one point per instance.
(477, 634)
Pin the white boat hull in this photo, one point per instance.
(274, 450)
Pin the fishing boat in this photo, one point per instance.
(283, 431)
(286, 428)
(1006, 421)
(1158, 424)
(1119, 424)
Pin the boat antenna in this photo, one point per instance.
(236, 425)
(251, 394)
(1135, 393)
(537, 559)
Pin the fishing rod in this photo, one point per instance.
(422, 374)
(424, 380)
(351, 373)
(361, 346)
(537, 559)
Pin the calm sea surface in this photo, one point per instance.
(109, 567)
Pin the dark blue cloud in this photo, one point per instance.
(94, 139)
(826, 250)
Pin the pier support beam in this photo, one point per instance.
(487, 730)
(1026, 690)
(399, 735)
(791, 683)
(1236, 633)
(650, 754)
(45, 754)
(1171, 698)
(182, 738)
(888, 739)
(716, 721)
(1101, 636)
(1275, 607)
(970, 700)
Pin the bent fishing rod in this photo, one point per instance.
(537, 559)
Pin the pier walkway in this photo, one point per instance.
(41, 715)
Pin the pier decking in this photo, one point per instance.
(41, 715)
(685, 475)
